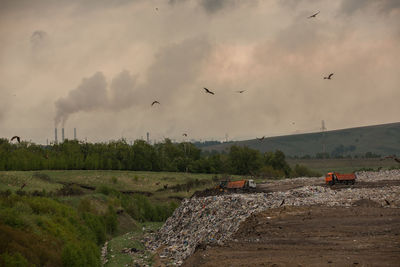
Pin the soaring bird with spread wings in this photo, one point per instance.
(313, 15)
(261, 139)
(16, 137)
(328, 77)
(155, 102)
(208, 91)
(241, 91)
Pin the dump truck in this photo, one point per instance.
(332, 178)
(242, 185)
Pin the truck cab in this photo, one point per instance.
(330, 178)
(252, 184)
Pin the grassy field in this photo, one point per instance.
(380, 139)
(344, 165)
(159, 186)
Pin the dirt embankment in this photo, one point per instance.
(363, 235)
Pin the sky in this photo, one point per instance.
(97, 65)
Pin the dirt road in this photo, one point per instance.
(362, 235)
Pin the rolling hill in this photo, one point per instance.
(381, 139)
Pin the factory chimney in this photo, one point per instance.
(74, 133)
(62, 135)
(55, 136)
(148, 137)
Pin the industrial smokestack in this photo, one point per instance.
(55, 136)
(62, 135)
(74, 133)
(148, 137)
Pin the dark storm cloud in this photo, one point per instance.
(349, 7)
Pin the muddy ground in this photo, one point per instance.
(362, 235)
(366, 234)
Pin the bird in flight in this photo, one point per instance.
(328, 77)
(16, 137)
(208, 91)
(155, 102)
(184, 134)
(313, 15)
(241, 91)
(261, 139)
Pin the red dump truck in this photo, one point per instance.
(332, 178)
(242, 185)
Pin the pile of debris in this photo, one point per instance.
(381, 175)
(214, 219)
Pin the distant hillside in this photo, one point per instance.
(379, 139)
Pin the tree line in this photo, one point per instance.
(140, 156)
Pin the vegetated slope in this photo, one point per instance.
(379, 139)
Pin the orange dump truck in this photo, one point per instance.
(238, 185)
(332, 178)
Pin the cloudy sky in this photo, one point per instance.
(97, 65)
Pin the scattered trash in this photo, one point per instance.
(201, 221)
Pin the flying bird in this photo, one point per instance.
(328, 77)
(208, 91)
(16, 137)
(313, 15)
(184, 134)
(261, 139)
(241, 91)
(155, 102)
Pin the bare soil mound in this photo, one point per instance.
(364, 235)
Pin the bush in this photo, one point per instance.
(105, 190)
(70, 190)
(303, 171)
(72, 255)
(13, 260)
(111, 220)
(269, 172)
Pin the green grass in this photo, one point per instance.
(343, 165)
(117, 258)
(152, 182)
(380, 139)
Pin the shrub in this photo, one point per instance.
(111, 220)
(13, 260)
(269, 172)
(70, 190)
(303, 171)
(105, 190)
(114, 180)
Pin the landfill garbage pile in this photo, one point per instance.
(214, 219)
(376, 176)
